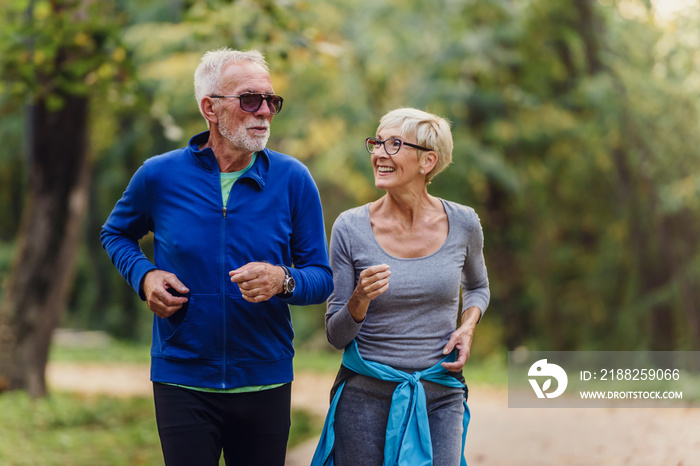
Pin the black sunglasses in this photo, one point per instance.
(391, 145)
(252, 102)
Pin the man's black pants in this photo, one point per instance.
(251, 428)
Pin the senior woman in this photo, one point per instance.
(398, 265)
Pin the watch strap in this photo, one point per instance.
(287, 278)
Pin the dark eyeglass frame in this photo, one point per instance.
(274, 102)
(375, 141)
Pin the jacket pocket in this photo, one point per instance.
(259, 332)
(199, 334)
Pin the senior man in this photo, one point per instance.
(238, 236)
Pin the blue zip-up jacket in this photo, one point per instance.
(217, 339)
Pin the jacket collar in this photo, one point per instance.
(206, 159)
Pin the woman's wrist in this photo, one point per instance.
(471, 317)
(358, 307)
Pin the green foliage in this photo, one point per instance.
(52, 49)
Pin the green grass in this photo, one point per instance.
(304, 426)
(113, 351)
(489, 370)
(321, 361)
(67, 429)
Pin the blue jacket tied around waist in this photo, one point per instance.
(408, 440)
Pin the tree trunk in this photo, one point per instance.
(39, 284)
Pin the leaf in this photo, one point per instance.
(546, 385)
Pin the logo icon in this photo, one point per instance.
(542, 368)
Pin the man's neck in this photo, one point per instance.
(229, 158)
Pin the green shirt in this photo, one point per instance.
(228, 179)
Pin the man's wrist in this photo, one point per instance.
(288, 283)
(281, 271)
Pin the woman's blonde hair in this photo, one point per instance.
(430, 131)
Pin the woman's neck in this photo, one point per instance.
(407, 207)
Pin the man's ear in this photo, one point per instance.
(207, 107)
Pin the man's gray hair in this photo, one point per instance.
(207, 76)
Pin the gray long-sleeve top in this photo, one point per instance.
(409, 324)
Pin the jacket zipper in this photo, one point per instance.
(223, 290)
(224, 275)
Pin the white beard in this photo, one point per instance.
(240, 137)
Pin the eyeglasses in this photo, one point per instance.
(391, 145)
(252, 102)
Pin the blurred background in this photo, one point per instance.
(575, 127)
(576, 141)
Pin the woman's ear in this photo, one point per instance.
(428, 161)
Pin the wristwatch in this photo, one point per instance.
(288, 285)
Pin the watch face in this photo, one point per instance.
(289, 285)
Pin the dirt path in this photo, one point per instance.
(498, 436)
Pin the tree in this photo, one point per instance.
(599, 131)
(57, 55)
